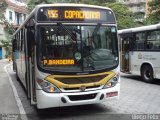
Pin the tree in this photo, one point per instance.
(3, 6)
(96, 2)
(123, 14)
(9, 29)
(154, 12)
(32, 3)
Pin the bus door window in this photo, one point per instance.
(153, 40)
(125, 53)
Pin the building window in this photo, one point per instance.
(24, 16)
(19, 19)
(10, 15)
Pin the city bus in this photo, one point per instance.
(140, 51)
(67, 54)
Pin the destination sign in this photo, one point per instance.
(58, 62)
(50, 14)
(75, 14)
(53, 14)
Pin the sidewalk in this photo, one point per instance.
(8, 103)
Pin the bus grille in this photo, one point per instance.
(87, 87)
(81, 80)
(82, 97)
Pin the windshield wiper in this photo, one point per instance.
(73, 37)
(88, 63)
(92, 66)
(96, 29)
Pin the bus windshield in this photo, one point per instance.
(77, 48)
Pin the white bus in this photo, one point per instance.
(67, 54)
(140, 51)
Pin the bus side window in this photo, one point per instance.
(14, 45)
(140, 40)
(31, 39)
(153, 41)
(158, 39)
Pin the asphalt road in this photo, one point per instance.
(136, 97)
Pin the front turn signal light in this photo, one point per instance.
(112, 82)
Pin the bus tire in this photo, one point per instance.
(40, 111)
(17, 77)
(147, 73)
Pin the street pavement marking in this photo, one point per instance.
(19, 103)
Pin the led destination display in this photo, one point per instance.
(75, 14)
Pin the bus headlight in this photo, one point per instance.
(112, 82)
(48, 87)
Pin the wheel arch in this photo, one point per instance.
(150, 64)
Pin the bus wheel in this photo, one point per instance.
(17, 77)
(147, 73)
(40, 111)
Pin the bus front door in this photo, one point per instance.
(125, 55)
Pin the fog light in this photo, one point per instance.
(63, 100)
(102, 96)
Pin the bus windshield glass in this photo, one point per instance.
(77, 48)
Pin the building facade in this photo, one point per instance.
(138, 7)
(15, 13)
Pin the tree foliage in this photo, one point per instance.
(7, 46)
(9, 29)
(123, 14)
(96, 2)
(3, 6)
(154, 12)
(32, 3)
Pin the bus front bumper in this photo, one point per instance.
(50, 100)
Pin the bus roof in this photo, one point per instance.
(138, 29)
(71, 4)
